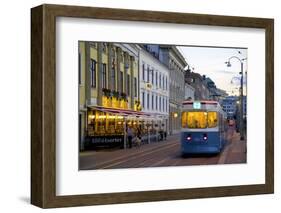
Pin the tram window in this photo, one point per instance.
(184, 120)
(212, 119)
(197, 120)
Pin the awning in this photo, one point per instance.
(160, 116)
(123, 112)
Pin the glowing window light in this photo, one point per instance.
(92, 116)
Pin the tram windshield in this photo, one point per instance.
(199, 120)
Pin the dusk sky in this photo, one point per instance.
(210, 61)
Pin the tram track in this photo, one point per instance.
(133, 156)
(126, 154)
(159, 154)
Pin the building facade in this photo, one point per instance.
(201, 90)
(188, 92)
(215, 93)
(229, 105)
(173, 59)
(154, 88)
(211, 86)
(108, 79)
(222, 94)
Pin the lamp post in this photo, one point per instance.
(241, 120)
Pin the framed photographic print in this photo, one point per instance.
(136, 106)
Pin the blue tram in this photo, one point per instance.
(203, 127)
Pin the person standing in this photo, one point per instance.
(130, 136)
(138, 136)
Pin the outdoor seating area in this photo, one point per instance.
(106, 127)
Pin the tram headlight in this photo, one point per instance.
(188, 137)
(205, 137)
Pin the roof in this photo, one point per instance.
(201, 101)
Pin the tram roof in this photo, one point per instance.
(204, 105)
(201, 101)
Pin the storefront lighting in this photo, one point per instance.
(175, 115)
(92, 116)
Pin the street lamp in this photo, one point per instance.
(241, 120)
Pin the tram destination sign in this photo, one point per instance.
(196, 105)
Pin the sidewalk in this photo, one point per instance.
(235, 150)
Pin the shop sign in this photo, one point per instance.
(109, 139)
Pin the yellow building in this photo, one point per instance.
(108, 87)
